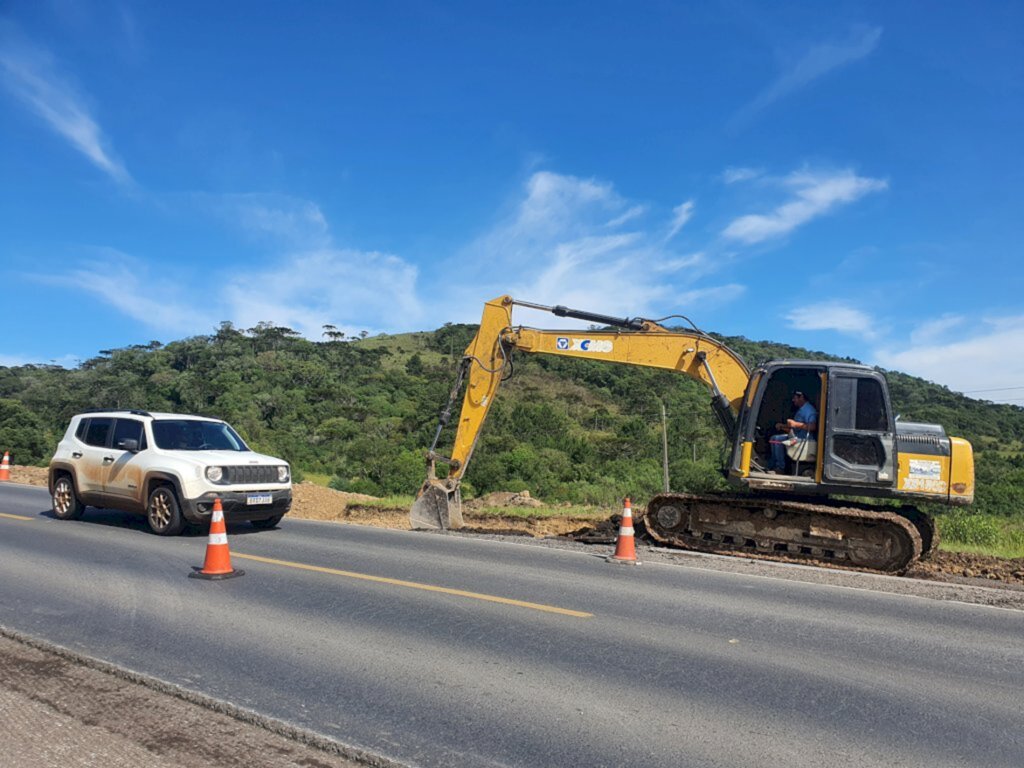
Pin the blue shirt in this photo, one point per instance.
(805, 415)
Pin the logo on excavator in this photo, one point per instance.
(562, 343)
(590, 345)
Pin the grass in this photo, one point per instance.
(387, 502)
(317, 477)
(981, 534)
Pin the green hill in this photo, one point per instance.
(364, 410)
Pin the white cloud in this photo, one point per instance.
(353, 290)
(156, 299)
(635, 212)
(680, 215)
(292, 221)
(733, 175)
(557, 247)
(831, 316)
(814, 195)
(817, 62)
(933, 330)
(31, 75)
(987, 364)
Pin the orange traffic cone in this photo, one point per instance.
(218, 558)
(625, 546)
(5, 468)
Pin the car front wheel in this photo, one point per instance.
(164, 513)
(66, 504)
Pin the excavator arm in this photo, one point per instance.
(487, 361)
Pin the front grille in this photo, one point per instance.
(247, 475)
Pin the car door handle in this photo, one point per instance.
(108, 459)
(76, 455)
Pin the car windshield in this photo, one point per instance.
(195, 435)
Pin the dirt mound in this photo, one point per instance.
(964, 567)
(30, 475)
(501, 499)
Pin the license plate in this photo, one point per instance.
(259, 498)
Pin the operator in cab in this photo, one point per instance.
(804, 423)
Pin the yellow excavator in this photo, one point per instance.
(858, 449)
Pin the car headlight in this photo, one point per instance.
(214, 474)
(282, 474)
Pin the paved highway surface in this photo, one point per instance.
(440, 650)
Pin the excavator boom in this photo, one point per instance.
(486, 362)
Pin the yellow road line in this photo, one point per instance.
(416, 585)
(15, 517)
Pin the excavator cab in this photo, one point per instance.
(854, 450)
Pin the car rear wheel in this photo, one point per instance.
(66, 504)
(269, 522)
(164, 513)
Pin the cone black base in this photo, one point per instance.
(198, 574)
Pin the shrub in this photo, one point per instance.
(961, 527)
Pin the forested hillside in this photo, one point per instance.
(364, 411)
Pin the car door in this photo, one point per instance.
(860, 441)
(92, 456)
(124, 476)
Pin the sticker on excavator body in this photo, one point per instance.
(925, 468)
(588, 345)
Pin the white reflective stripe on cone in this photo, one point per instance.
(625, 531)
(218, 515)
(218, 538)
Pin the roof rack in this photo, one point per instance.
(117, 410)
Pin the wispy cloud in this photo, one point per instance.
(986, 363)
(818, 61)
(680, 215)
(557, 247)
(733, 175)
(129, 285)
(832, 316)
(814, 194)
(282, 219)
(933, 330)
(353, 290)
(32, 76)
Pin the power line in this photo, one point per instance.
(997, 389)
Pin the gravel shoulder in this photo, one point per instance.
(62, 709)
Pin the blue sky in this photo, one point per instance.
(842, 176)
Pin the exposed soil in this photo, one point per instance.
(315, 502)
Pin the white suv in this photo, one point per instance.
(167, 466)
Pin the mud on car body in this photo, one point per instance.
(167, 466)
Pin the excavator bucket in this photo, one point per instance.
(436, 507)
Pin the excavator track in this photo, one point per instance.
(842, 535)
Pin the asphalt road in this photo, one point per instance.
(394, 642)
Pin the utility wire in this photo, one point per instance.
(997, 389)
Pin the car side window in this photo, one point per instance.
(83, 425)
(129, 429)
(97, 432)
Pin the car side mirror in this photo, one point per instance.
(128, 444)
